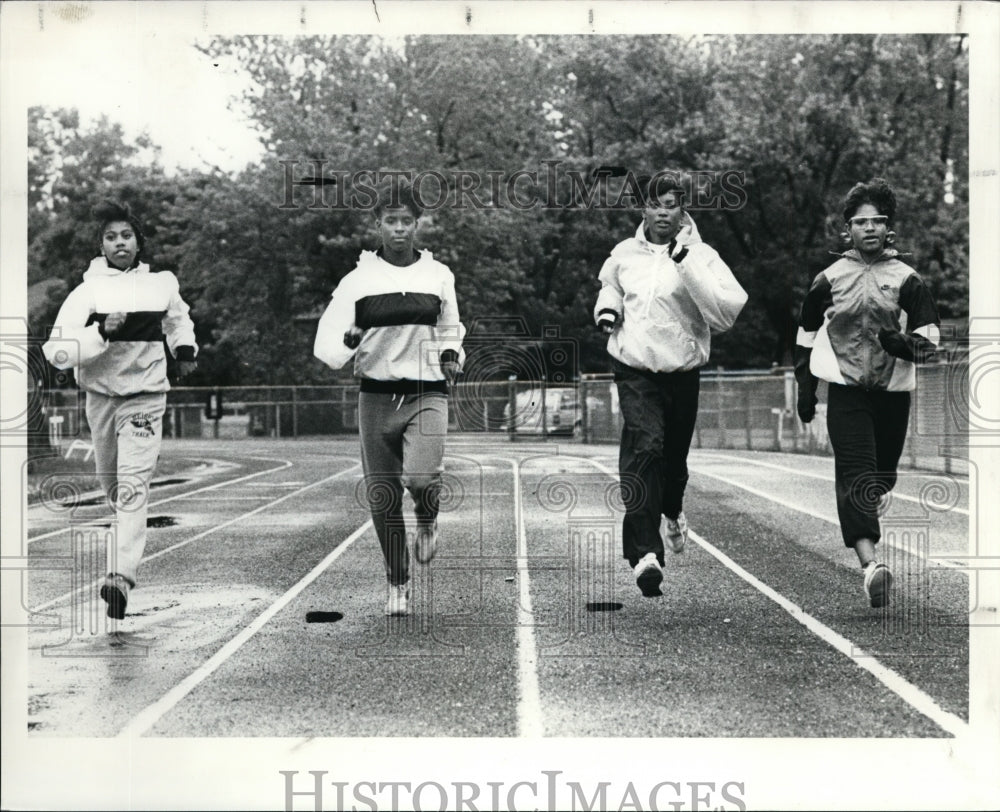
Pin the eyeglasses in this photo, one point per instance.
(864, 222)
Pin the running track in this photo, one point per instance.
(527, 623)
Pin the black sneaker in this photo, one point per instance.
(114, 591)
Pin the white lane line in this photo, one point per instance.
(223, 484)
(213, 529)
(937, 561)
(213, 467)
(809, 474)
(952, 562)
(150, 715)
(227, 498)
(905, 690)
(754, 491)
(529, 702)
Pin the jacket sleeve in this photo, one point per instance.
(719, 297)
(178, 327)
(810, 320)
(449, 330)
(807, 382)
(338, 318)
(73, 341)
(609, 300)
(922, 334)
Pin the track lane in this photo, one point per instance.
(691, 663)
(94, 508)
(448, 669)
(194, 597)
(714, 657)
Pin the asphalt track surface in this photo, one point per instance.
(259, 609)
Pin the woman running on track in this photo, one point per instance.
(664, 292)
(397, 316)
(110, 330)
(865, 322)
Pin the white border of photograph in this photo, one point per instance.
(41, 42)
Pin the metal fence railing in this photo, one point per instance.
(737, 410)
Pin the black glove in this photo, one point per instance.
(806, 406)
(807, 400)
(352, 338)
(908, 346)
(607, 320)
(679, 255)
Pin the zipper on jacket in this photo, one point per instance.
(651, 292)
(870, 301)
(654, 277)
(865, 347)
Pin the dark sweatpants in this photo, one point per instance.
(402, 446)
(867, 430)
(659, 410)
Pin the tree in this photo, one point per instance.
(72, 166)
(796, 120)
(807, 117)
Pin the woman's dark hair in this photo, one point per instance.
(877, 192)
(108, 211)
(655, 186)
(397, 195)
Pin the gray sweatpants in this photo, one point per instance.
(402, 446)
(126, 433)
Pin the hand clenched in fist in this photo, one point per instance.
(113, 323)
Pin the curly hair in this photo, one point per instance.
(877, 192)
(397, 195)
(109, 211)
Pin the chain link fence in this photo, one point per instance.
(752, 410)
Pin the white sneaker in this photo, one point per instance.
(878, 579)
(425, 543)
(649, 575)
(675, 532)
(398, 602)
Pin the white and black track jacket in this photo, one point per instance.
(410, 320)
(848, 306)
(132, 360)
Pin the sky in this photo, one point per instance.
(152, 81)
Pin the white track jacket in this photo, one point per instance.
(666, 311)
